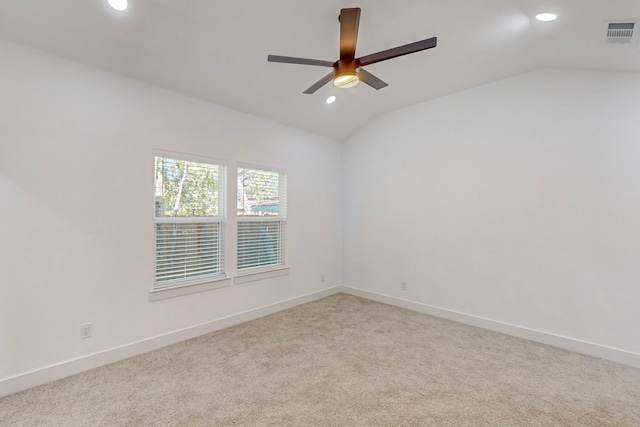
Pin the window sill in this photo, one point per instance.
(252, 276)
(176, 291)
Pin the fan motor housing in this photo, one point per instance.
(346, 67)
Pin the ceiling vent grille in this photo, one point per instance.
(620, 32)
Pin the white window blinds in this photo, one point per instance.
(189, 226)
(261, 208)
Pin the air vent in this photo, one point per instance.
(620, 32)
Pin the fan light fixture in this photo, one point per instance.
(346, 80)
(118, 4)
(348, 70)
(546, 17)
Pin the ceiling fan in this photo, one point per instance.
(348, 71)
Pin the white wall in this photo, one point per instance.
(76, 186)
(517, 201)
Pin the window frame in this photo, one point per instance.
(247, 274)
(181, 286)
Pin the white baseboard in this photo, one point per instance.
(85, 363)
(591, 349)
(75, 366)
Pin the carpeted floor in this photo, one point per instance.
(341, 361)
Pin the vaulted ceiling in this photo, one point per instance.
(217, 50)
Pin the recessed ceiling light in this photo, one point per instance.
(118, 4)
(331, 99)
(546, 16)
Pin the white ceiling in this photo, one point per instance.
(217, 49)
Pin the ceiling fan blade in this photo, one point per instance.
(349, 23)
(323, 81)
(399, 51)
(303, 61)
(370, 79)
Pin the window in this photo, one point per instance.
(262, 214)
(189, 219)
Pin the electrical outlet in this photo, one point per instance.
(86, 330)
(403, 286)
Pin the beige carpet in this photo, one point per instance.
(341, 361)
